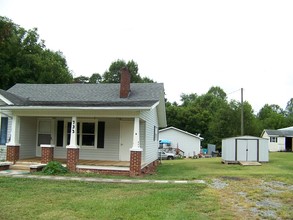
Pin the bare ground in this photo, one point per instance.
(254, 198)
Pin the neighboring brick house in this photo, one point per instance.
(115, 122)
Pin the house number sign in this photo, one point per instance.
(73, 127)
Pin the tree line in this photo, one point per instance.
(24, 58)
(214, 117)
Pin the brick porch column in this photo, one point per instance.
(73, 148)
(12, 153)
(47, 153)
(135, 162)
(72, 158)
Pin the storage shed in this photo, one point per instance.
(245, 148)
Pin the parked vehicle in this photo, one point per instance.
(162, 155)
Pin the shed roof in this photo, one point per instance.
(246, 137)
(280, 132)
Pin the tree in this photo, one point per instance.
(272, 117)
(24, 58)
(81, 79)
(95, 78)
(113, 74)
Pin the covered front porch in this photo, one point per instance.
(107, 145)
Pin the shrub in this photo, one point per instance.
(54, 167)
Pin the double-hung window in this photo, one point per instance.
(89, 133)
(274, 139)
(44, 132)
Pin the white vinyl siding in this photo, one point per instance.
(185, 142)
(110, 150)
(27, 137)
(151, 146)
(142, 138)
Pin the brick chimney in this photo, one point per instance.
(124, 82)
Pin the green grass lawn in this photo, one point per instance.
(247, 188)
(279, 167)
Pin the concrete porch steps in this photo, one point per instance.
(22, 166)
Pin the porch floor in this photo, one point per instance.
(83, 162)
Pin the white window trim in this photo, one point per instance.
(81, 121)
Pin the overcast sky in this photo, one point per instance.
(190, 46)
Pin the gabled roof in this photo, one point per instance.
(279, 133)
(179, 130)
(142, 94)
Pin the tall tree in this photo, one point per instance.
(95, 78)
(272, 117)
(25, 59)
(113, 74)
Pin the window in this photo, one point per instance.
(156, 132)
(3, 131)
(89, 134)
(44, 132)
(274, 139)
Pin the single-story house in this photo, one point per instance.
(245, 148)
(186, 142)
(108, 122)
(279, 140)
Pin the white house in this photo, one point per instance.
(185, 141)
(279, 140)
(245, 148)
(108, 122)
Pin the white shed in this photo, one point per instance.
(245, 148)
(185, 141)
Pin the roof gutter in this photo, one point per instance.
(73, 108)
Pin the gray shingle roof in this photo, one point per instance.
(142, 94)
(11, 97)
(280, 133)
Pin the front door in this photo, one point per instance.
(126, 139)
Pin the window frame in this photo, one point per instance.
(80, 134)
(274, 139)
(44, 132)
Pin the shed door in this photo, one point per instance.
(252, 150)
(241, 150)
(126, 139)
(247, 150)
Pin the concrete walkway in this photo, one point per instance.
(27, 175)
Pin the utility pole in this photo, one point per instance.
(242, 120)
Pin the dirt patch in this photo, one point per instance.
(235, 178)
(254, 198)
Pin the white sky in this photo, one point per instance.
(190, 46)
